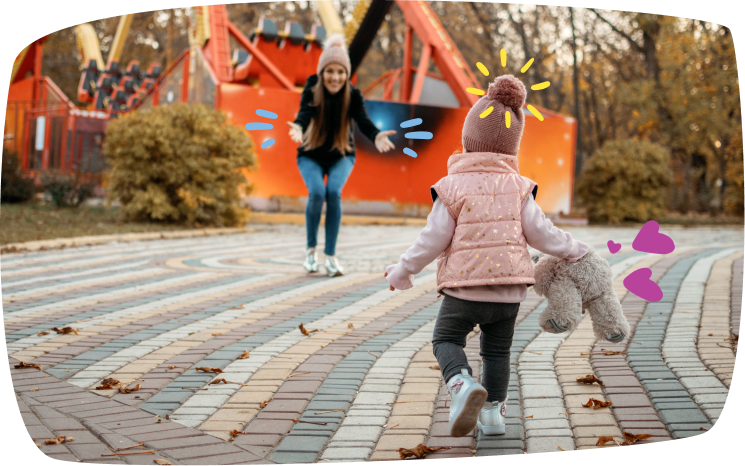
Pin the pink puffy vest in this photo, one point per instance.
(484, 193)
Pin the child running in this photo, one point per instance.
(483, 219)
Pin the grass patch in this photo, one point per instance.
(34, 221)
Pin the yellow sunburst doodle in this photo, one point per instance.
(507, 115)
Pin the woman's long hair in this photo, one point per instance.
(332, 116)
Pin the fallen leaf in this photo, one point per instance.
(597, 404)
(631, 438)
(58, 440)
(34, 390)
(524, 417)
(123, 389)
(350, 326)
(702, 428)
(132, 446)
(27, 365)
(244, 355)
(435, 367)
(151, 452)
(217, 334)
(376, 356)
(42, 333)
(559, 447)
(158, 421)
(303, 330)
(589, 379)
(298, 373)
(332, 411)
(65, 330)
(264, 403)
(217, 381)
(238, 307)
(108, 384)
(603, 440)
(208, 369)
(420, 451)
(160, 461)
(168, 417)
(324, 345)
(235, 433)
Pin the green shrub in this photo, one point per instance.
(15, 187)
(625, 180)
(178, 163)
(68, 189)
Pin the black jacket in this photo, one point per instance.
(324, 154)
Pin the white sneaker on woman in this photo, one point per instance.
(467, 396)
(492, 418)
(311, 260)
(332, 267)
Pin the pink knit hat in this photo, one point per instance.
(490, 134)
(334, 51)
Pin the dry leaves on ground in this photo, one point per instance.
(177, 367)
(42, 333)
(208, 369)
(302, 328)
(589, 379)
(631, 438)
(217, 334)
(350, 326)
(435, 367)
(266, 402)
(597, 404)
(161, 461)
(27, 365)
(235, 433)
(603, 440)
(244, 355)
(420, 451)
(238, 307)
(217, 381)
(58, 440)
(66, 330)
(108, 384)
(123, 389)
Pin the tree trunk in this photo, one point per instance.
(577, 111)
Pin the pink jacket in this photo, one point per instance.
(484, 192)
(438, 236)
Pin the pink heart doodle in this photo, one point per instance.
(638, 282)
(649, 239)
(613, 247)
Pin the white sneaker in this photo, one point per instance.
(491, 419)
(311, 260)
(332, 267)
(467, 396)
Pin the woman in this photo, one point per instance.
(324, 128)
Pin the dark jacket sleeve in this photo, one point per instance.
(306, 98)
(359, 114)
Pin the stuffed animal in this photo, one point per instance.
(575, 288)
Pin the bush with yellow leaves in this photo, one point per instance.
(180, 164)
(625, 180)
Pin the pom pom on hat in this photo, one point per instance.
(508, 90)
(335, 40)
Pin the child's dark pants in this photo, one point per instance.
(456, 320)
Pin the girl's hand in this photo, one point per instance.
(392, 289)
(296, 132)
(382, 143)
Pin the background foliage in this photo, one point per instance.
(178, 163)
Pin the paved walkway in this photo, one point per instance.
(360, 385)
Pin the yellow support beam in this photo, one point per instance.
(329, 18)
(88, 46)
(121, 35)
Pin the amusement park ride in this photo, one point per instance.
(267, 70)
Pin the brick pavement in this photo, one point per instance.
(201, 302)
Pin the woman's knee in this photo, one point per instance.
(316, 197)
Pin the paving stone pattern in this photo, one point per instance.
(363, 383)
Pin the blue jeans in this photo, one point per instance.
(313, 173)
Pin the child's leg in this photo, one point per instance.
(496, 340)
(449, 337)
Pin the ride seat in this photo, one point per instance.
(103, 92)
(87, 84)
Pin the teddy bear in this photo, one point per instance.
(575, 288)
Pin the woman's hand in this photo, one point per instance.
(382, 143)
(296, 132)
(391, 286)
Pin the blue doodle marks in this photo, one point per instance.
(415, 134)
(255, 126)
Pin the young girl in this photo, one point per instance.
(483, 218)
(328, 105)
